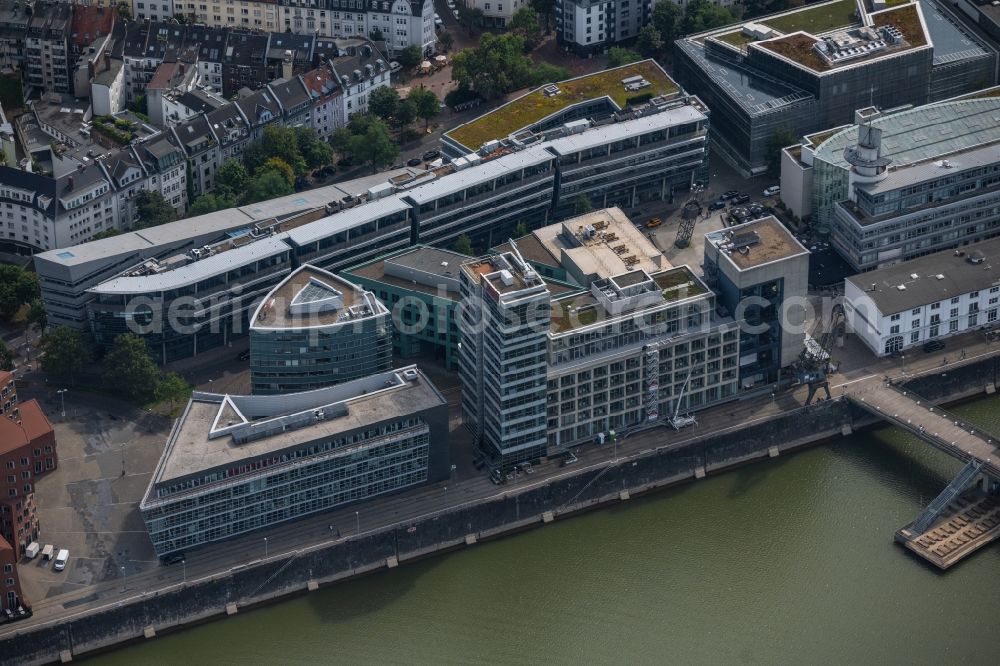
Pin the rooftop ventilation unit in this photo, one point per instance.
(551, 90)
(506, 278)
(901, 287)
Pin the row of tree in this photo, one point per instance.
(499, 66)
(669, 22)
(420, 103)
(128, 368)
(267, 169)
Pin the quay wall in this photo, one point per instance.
(521, 508)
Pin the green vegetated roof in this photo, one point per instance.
(799, 48)
(736, 38)
(907, 19)
(816, 19)
(536, 105)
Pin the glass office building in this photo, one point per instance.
(234, 464)
(315, 329)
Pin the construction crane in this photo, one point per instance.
(678, 420)
(813, 364)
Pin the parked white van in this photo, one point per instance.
(47, 552)
(32, 550)
(61, 560)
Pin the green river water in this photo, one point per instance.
(787, 561)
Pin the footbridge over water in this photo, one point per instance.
(966, 515)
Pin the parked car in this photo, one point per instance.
(655, 222)
(394, 66)
(729, 194)
(741, 199)
(771, 191)
(718, 204)
(61, 559)
(454, 13)
(933, 346)
(414, 161)
(244, 355)
(431, 155)
(345, 162)
(438, 23)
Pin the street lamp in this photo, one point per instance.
(124, 579)
(123, 458)
(185, 565)
(265, 548)
(62, 399)
(357, 522)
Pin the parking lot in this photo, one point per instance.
(88, 504)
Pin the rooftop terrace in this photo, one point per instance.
(584, 309)
(756, 243)
(537, 105)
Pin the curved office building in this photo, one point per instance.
(315, 329)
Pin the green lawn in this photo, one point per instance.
(535, 106)
(817, 19)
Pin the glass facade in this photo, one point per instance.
(314, 478)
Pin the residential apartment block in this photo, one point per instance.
(400, 23)
(315, 329)
(592, 26)
(808, 69)
(234, 464)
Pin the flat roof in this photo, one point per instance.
(615, 247)
(535, 106)
(767, 241)
(457, 181)
(424, 259)
(911, 174)
(604, 134)
(347, 219)
(194, 271)
(958, 275)
(585, 309)
(319, 298)
(203, 439)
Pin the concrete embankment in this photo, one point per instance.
(237, 590)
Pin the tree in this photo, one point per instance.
(383, 102)
(152, 210)
(253, 156)
(406, 113)
(426, 104)
(701, 15)
(524, 23)
(544, 7)
(494, 68)
(781, 137)
(617, 56)
(411, 56)
(280, 142)
(209, 203)
(667, 17)
(17, 287)
(375, 146)
(37, 317)
(582, 205)
(376, 35)
(6, 357)
(463, 245)
(171, 388)
(268, 184)
(129, 369)
(279, 165)
(521, 230)
(341, 139)
(650, 41)
(64, 353)
(233, 176)
(545, 73)
(107, 233)
(315, 151)
(446, 40)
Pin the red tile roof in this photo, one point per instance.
(33, 425)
